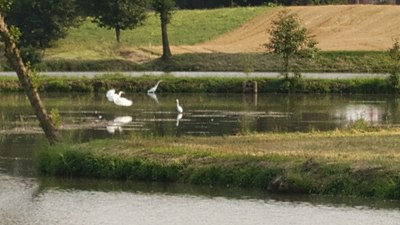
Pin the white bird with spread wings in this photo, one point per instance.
(112, 96)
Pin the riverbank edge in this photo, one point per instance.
(173, 84)
(275, 173)
(324, 61)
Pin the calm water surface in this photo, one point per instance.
(26, 199)
(214, 114)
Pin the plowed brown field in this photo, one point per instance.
(342, 27)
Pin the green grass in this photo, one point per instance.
(338, 61)
(187, 27)
(201, 85)
(349, 162)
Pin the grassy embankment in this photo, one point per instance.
(188, 27)
(200, 85)
(348, 163)
(328, 61)
(90, 48)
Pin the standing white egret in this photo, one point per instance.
(110, 95)
(153, 89)
(121, 101)
(179, 108)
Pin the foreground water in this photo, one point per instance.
(27, 199)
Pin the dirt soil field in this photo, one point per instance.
(341, 27)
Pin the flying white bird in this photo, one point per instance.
(153, 89)
(179, 108)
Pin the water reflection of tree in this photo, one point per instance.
(393, 107)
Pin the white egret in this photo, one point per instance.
(179, 108)
(153, 89)
(110, 95)
(121, 101)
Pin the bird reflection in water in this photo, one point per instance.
(117, 123)
(153, 96)
(178, 118)
(179, 110)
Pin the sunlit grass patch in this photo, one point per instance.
(187, 27)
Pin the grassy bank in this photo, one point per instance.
(91, 42)
(338, 61)
(348, 163)
(201, 85)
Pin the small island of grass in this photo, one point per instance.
(348, 162)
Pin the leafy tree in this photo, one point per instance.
(289, 39)
(9, 36)
(116, 14)
(41, 23)
(165, 9)
(394, 54)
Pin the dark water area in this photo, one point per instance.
(28, 199)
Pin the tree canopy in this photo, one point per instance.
(289, 38)
(116, 14)
(41, 23)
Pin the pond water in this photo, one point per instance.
(213, 114)
(27, 199)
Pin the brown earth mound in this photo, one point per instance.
(341, 27)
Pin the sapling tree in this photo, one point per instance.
(288, 39)
(394, 54)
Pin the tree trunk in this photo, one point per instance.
(118, 34)
(24, 75)
(165, 43)
(286, 66)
